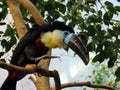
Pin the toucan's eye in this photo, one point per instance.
(66, 33)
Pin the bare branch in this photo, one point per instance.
(88, 84)
(31, 68)
(26, 70)
(36, 68)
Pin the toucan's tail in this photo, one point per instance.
(9, 84)
(11, 81)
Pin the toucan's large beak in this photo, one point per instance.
(76, 44)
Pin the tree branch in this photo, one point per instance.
(21, 28)
(25, 70)
(88, 84)
(31, 68)
(33, 10)
(39, 20)
(17, 17)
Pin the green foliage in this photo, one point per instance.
(104, 75)
(7, 37)
(95, 19)
(2, 23)
(4, 11)
(117, 74)
(1, 54)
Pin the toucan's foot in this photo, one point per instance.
(43, 57)
(42, 71)
(36, 59)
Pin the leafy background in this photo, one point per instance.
(97, 22)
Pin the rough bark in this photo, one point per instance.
(17, 17)
(21, 29)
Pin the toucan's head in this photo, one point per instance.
(59, 35)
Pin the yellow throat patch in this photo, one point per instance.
(53, 39)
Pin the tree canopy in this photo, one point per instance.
(97, 23)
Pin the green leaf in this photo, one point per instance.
(110, 7)
(117, 79)
(91, 30)
(95, 59)
(100, 13)
(4, 12)
(66, 49)
(83, 25)
(117, 8)
(49, 7)
(100, 57)
(61, 7)
(99, 48)
(8, 47)
(4, 43)
(113, 58)
(1, 32)
(56, 15)
(2, 23)
(3, 2)
(91, 46)
(94, 19)
(117, 73)
(9, 31)
(89, 1)
(98, 26)
(103, 69)
(107, 18)
(84, 36)
(111, 32)
(109, 4)
(107, 44)
(3, 60)
(12, 41)
(1, 54)
(111, 62)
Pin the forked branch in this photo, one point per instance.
(31, 68)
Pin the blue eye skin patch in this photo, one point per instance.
(67, 38)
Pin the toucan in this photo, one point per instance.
(37, 41)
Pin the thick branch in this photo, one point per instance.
(51, 74)
(33, 10)
(17, 16)
(31, 68)
(37, 68)
(25, 70)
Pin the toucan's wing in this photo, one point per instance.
(29, 37)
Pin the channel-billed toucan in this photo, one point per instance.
(37, 41)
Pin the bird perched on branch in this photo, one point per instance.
(37, 41)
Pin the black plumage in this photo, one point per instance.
(30, 47)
